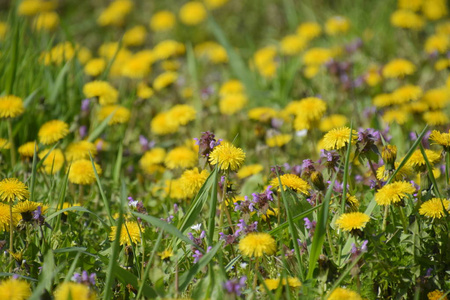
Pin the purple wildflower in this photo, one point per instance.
(235, 286)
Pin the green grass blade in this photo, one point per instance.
(213, 209)
(33, 173)
(320, 231)
(112, 270)
(416, 143)
(102, 193)
(56, 87)
(117, 166)
(430, 171)
(72, 268)
(97, 131)
(284, 225)
(346, 168)
(197, 204)
(163, 225)
(149, 264)
(237, 64)
(77, 208)
(186, 278)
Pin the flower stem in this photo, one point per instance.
(11, 142)
(403, 218)
(386, 209)
(11, 237)
(447, 175)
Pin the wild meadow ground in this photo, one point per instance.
(224, 149)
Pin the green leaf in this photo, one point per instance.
(166, 227)
(197, 204)
(320, 231)
(102, 193)
(97, 131)
(56, 87)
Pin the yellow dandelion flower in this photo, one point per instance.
(163, 124)
(442, 139)
(293, 182)
(53, 131)
(11, 106)
(131, 228)
(192, 180)
(406, 93)
(338, 138)
(292, 44)
(173, 189)
(272, 283)
(332, 121)
(436, 118)
(181, 157)
(413, 5)
(443, 28)
(120, 114)
(353, 220)
(373, 76)
(344, 294)
(437, 43)
(73, 290)
(232, 104)
(278, 140)
(417, 160)
(405, 172)
(144, 91)
(394, 192)
(46, 21)
(434, 9)
(436, 295)
(182, 113)
(257, 244)
(135, 36)
(383, 100)
(13, 188)
(5, 217)
(192, 13)
(164, 80)
(82, 172)
(434, 208)
(311, 108)
(214, 4)
(163, 20)
(166, 254)
(227, 156)
(437, 98)
(167, 49)
(27, 149)
(398, 68)
(151, 159)
(80, 150)
(262, 114)
(399, 116)
(26, 208)
(337, 25)
(54, 161)
(317, 56)
(247, 171)
(105, 92)
(115, 13)
(95, 66)
(4, 144)
(309, 30)
(407, 19)
(15, 289)
(231, 87)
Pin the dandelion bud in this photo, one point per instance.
(389, 154)
(317, 180)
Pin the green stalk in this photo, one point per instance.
(447, 166)
(403, 218)
(11, 234)
(11, 142)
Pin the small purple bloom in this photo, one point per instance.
(235, 286)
